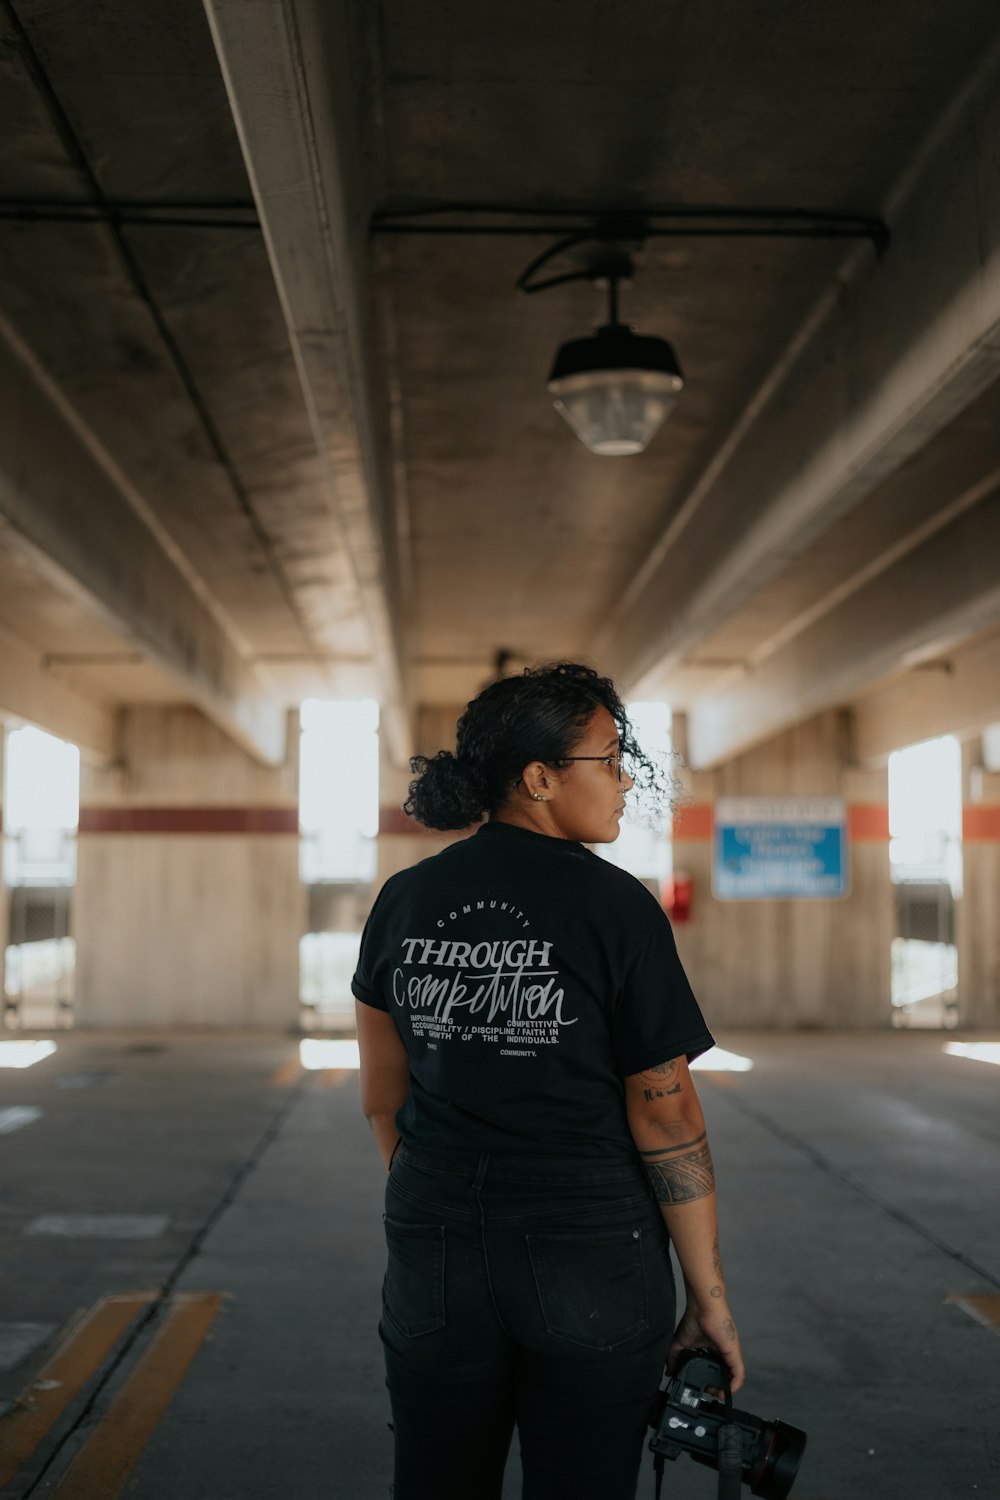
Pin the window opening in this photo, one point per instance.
(338, 822)
(925, 862)
(41, 813)
(644, 846)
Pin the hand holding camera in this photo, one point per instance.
(695, 1413)
(709, 1322)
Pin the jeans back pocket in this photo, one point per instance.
(591, 1284)
(413, 1290)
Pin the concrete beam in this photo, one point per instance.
(297, 92)
(924, 606)
(956, 694)
(891, 353)
(64, 504)
(31, 695)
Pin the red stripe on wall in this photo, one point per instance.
(981, 821)
(866, 821)
(393, 820)
(189, 820)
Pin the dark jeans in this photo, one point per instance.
(522, 1289)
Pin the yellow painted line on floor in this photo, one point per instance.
(335, 1078)
(288, 1073)
(983, 1306)
(78, 1357)
(109, 1455)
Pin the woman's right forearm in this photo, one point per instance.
(678, 1163)
(668, 1128)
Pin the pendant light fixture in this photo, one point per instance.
(615, 387)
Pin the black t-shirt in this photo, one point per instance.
(527, 977)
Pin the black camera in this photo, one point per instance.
(686, 1417)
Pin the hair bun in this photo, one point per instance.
(447, 793)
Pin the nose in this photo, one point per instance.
(628, 782)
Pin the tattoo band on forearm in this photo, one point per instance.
(663, 1151)
(680, 1179)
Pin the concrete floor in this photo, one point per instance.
(858, 1177)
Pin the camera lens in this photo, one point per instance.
(783, 1447)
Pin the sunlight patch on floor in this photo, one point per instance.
(315, 1054)
(24, 1054)
(978, 1051)
(718, 1060)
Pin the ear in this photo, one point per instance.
(536, 781)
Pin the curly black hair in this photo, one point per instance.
(542, 714)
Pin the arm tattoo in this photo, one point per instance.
(662, 1151)
(650, 1094)
(680, 1178)
(657, 1081)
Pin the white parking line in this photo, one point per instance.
(16, 1116)
(100, 1226)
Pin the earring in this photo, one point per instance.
(538, 796)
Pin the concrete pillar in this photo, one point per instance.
(978, 922)
(813, 962)
(189, 907)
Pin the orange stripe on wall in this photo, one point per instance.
(868, 822)
(981, 821)
(189, 820)
(694, 821)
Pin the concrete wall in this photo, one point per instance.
(978, 910)
(822, 963)
(791, 963)
(811, 963)
(188, 908)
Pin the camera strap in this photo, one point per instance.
(730, 1451)
(730, 1456)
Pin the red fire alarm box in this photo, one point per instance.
(675, 896)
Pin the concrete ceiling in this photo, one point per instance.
(260, 438)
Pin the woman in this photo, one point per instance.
(525, 1029)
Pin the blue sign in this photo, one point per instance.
(782, 848)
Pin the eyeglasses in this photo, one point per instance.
(614, 763)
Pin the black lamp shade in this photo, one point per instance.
(615, 388)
